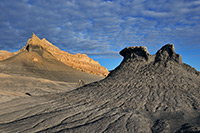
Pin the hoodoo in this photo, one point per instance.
(145, 93)
(167, 53)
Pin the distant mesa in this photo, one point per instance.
(41, 59)
(79, 61)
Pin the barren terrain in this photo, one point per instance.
(145, 93)
(15, 86)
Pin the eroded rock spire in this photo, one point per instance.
(167, 53)
(34, 43)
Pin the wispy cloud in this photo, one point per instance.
(98, 26)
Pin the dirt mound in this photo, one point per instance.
(145, 93)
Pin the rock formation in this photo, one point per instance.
(79, 61)
(34, 60)
(145, 93)
(5, 54)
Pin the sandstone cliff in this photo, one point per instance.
(34, 60)
(78, 61)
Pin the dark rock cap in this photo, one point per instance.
(165, 54)
(135, 52)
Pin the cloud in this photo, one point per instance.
(99, 27)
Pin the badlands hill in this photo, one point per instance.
(36, 60)
(79, 61)
(145, 93)
(34, 71)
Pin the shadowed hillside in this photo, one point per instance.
(145, 93)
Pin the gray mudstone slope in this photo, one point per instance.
(145, 93)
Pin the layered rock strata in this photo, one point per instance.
(78, 61)
(35, 60)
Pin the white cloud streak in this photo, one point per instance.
(97, 26)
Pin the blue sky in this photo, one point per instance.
(101, 28)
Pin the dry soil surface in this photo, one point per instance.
(146, 93)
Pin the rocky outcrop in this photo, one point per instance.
(145, 93)
(35, 60)
(135, 52)
(139, 53)
(79, 61)
(167, 53)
